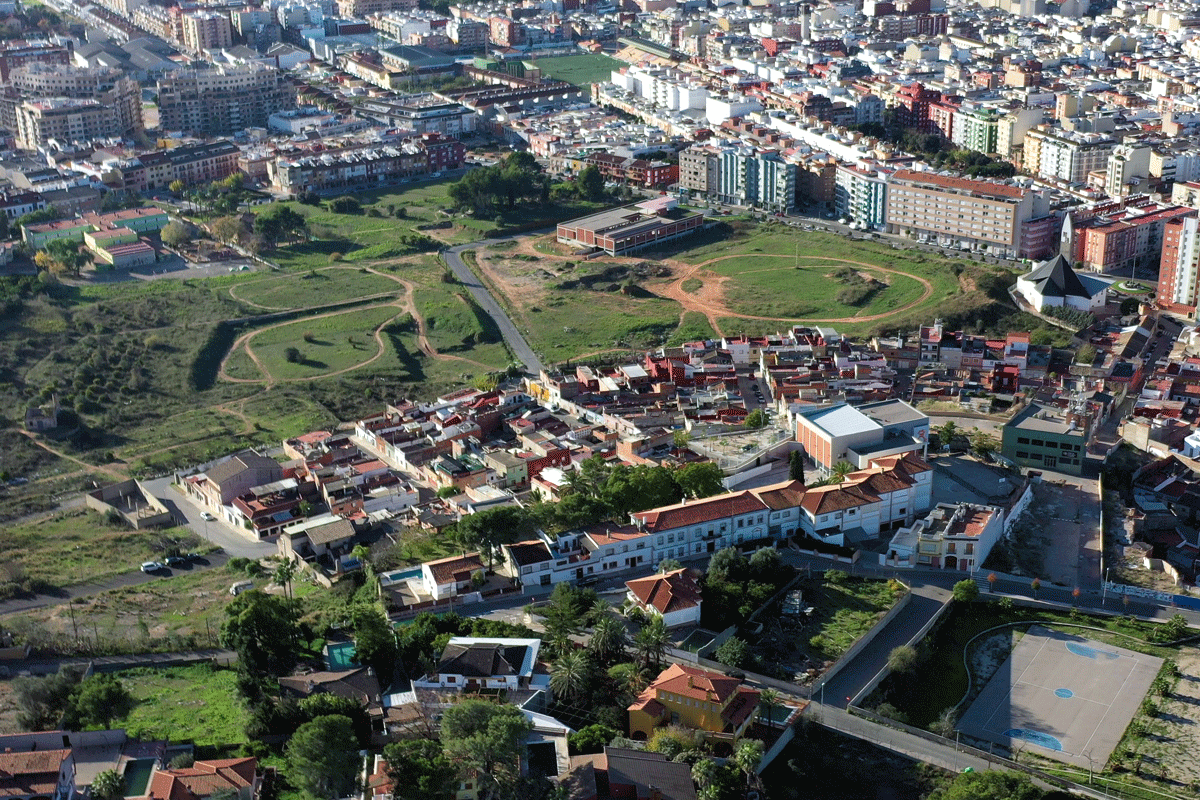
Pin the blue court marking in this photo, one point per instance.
(1064, 693)
(1035, 737)
(1091, 652)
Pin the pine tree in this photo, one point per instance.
(796, 466)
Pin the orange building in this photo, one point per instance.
(694, 698)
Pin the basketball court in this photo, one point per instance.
(1063, 696)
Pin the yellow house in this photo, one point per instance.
(694, 698)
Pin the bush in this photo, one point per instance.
(335, 257)
(345, 205)
(293, 355)
(836, 577)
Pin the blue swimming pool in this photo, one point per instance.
(137, 776)
(340, 656)
(401, 575)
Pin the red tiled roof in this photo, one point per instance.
(202, 779)
(694, 512)
(741, 706)
(825, 499)
(454, 568)
(673, 591)
(695, 683)
(30, 772)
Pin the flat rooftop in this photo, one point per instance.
(1044, 419)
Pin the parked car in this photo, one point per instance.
(175, 561)
(151, 566)
(207, 517)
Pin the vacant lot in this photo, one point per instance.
(329, 344)
(580, 70)
(193, 704)
(79, 545)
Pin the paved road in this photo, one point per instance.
(234, 542)
(49, 666)
(925, 603)
(516, 342)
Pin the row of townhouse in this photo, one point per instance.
(889, 492)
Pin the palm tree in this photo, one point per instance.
(569, 675)
(608, 640)
(284, 574)
(767, 699)
(841, 469)
(651, 641)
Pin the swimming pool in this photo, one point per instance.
(340, 656)
(137, 776)
(400, 575)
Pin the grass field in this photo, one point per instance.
(580, 70)
(319, 287)
(327, 344)
(847, 610)
(189, 704)
(79, 545)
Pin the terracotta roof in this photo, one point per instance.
(973, 522)
(695, 683)
(31, 772)
(694, 512)
(673, 591)
(203, 779)
(454, 568)
(358, 684)
(825, 499)
(741, 707)
(780, 496)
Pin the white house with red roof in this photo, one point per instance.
(951, 536)
(892, 490)
(674, 596)
(694, 527)
(30, 774)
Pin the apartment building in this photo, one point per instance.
(841, 432)
(860, 194)
(357, 9)
(739, 175)
(365, 166)
(420, 113)
(194, 164)
(106, 87)
(951, 537)
(206, 30)
(1047, 437)
(1179, 267)
(1119, 234)
(889, 492)
(965, 213)
(467, 34)
(18, 53)
(1066, 156)
(223, 100)
(38, 122)
(976, 128)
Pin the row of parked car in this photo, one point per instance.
(170, 561)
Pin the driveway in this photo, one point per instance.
(229, 539)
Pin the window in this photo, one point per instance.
(741, 522)
(1022, 440)
(1022, 454)
(1037, 443)
(902, 510)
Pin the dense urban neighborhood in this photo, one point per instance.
(573, 400)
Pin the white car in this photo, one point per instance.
(207, 517)
(151, 566)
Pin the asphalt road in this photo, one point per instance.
(516, 342)
(233, 542)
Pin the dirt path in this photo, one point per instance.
(110, 471)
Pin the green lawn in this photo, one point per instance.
(845, 611)
(455, 325)
(197, 704)
(693, 327)
(580, 70)
(79, 546)
(326, 344)
(777, 287)
(319, 287)
(566, 325)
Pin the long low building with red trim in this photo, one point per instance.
(624, 230)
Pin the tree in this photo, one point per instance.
(570, 675)
(734, 652)
(796, 466)
(293, 355)
(747, 756)
(322, 757)
(669, 565)
(419, 770)
(651, 641)
(840, 470)
(608, 640)
(62, 256)
(374, 641)
(41, 702)
(177, 234)
(108, 785)
(345, 205)
(284, 574)
(264, 631)
(983, 444)
(680, 439)
(701, 479)
(563, 617)
(902, 659)
(177, 186)
(965, 591)
(227, 229)
(590, 183)
(946, 433)
(1085, 355)
(591, 739)
(488, 737)
(279, 222)
(768, 698)
(990, 785)
(491, 528)
(96, 702)
(756, 419)
(325, 704)
(1035, 585)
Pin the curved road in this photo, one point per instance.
(516, 342)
